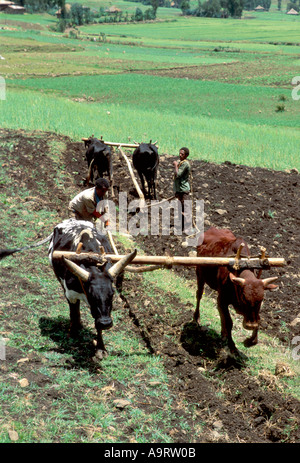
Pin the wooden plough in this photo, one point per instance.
(150, 263)
(126, 145)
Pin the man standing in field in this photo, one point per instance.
(85, 205)
(181, 185)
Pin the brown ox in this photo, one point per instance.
(244, 292)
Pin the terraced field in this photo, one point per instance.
(224, 89)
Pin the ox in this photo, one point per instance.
(145, 160)
(99, 160)
(86, 281)
(244, 292)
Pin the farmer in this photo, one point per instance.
(85, 205)
(181, 184)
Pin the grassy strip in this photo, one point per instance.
(210, 139)
(213, 29)
(176, 97)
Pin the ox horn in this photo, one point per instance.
(77, 270)
(118, 267)
(237, 280)
(267, 281)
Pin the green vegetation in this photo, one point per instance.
(212, 84)
(214, 99)
(282, 28)
(226, 140)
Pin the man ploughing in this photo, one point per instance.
(85, 205)
(182, 186)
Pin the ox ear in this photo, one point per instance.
(237, 280)
(267, 283)
(77, 270)
(118, 267)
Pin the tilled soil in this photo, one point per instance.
(260, 205)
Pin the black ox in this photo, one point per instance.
(85, 280)
(145, 160)
(99, 160)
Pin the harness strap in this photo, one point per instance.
(84, 292)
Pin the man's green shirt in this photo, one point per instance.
(181, 180)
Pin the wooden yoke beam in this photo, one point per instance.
(110, 143)
(250, 263)
(124, 145)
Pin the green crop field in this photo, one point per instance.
(195, 29)
(222, 87)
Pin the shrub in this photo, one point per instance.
(282, 98)
(61, 25)
(211, 9)
(293, 5)
(73, 34)
(138, 15)
(149, 14)
(77, 14)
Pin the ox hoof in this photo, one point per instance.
(249, 342)
(203, 328)
(100, 355)
(74, 331)
(229, 358)
(235, 354)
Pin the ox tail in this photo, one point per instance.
(8, 252)
(88, 178)
(156, 163)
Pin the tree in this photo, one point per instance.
(198, 10)
(61, 25)
(211, 9)
(292, 5)
(37, 5)
(266, 4)
(138, 16)
(77, 14)
(185, 6)
(249, 5)
(149, 14)
(62, 5)
(234, 7)
(155, 5)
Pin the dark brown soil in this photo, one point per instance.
(257, 203)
